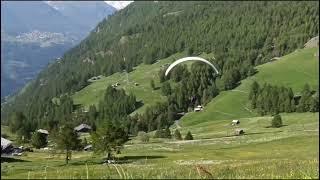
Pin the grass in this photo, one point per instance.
(293, 70)
(290, 151)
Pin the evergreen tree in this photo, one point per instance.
(254, 90)
(166, 88)
(276, 121)
(167, 133)
(188, 136)
(177, 135)
(109, 138)
(162, 76)
(67, 140)
(38, 140)
(152, 84)
(314, 104)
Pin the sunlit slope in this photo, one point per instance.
(142, 75)
(292, 70)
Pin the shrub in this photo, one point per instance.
(167, 133)
(188, 136)
(144, 137)
(177, 135)
(38, 140)
(276, 121)
(163, 133)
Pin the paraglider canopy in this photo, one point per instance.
(189, 59)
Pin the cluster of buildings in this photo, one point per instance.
(8, 149)
(42, 37)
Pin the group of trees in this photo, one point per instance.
(191, 88)
(239, 33)
(273, 99)
(166, 133)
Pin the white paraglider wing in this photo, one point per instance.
(190, 59)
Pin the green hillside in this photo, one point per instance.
(142, 75)
(292, 70)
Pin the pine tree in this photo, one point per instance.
(166, 88)
(314, 105)
(167, 133)
(152, 84)
(67, 140)
(254, 90)
(188, 136)
(162, 76)
(109, 138)
(276, 121)
(177, 135)
(38, 140)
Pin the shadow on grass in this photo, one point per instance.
(138, 104)
(246, 134)
(9, 159)
(139, 157)
(276, 127)
(156, 88)
(77, 106)
(118, 160)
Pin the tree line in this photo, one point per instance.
(268, 99)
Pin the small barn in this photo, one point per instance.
(239, 132)
(235, 122)
(198, 108)
(296, 99)
(83, 128)
(6, 146)
(88, 148)
(43, 131)
(136, 84)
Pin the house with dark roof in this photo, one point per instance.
(6, 146)
(83, 128)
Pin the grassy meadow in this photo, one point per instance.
(293, 70)
(291, 151)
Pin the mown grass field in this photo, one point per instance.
(287, 152)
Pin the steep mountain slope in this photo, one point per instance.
(142, 74)
(292, 70)
(26, 16)
(147, 31)
(86, 14)
(34, 33)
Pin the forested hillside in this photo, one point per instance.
(240, 35)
